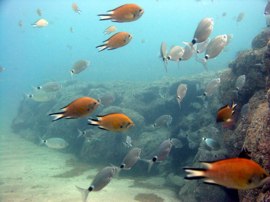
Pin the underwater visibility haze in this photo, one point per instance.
(135, 101)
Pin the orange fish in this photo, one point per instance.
(75, 8)
(40, 23)
(116, 41)
(78, 108)
(236, 173)
(225, 113)
(124, 13)
(115, 122)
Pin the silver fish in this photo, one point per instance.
(163, 54)
(267, 8)
(211, 143)
(128, 142)
(240, 82)
(203, 30)
(102, 179)
(131, 158)
(181, 93)
(55, 143)
(163, 120)
(41, 96)
(50, 87)
(188, 51)
(161, 154)
(201, 47)
(240, 17)
(175, 53)
(176, 143)
(212, 87)
(79, 66)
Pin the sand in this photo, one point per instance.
(34, 173)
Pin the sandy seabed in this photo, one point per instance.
(28, 175)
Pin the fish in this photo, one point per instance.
(39, 13)
(131, 158)
(101, 180)
(110, 29)
(177, 143)
(175, 53)
(188, 52)
(107, 99)
(124, 13)
(128, 142)
(240, 17)
(115, 122)
(85, 133)
(117, 40)
(181, 93)
(161, 154)
(50, 87)
(41, 96)
(214, 48)
(203, 30)
(240, 82)
(235, 173)
(212, 87)
(40, 23)
(2, 69)
(163, 120)
(267, 8)
(201, 47)
(224, 14)
(225, 113)
(55, 143)
(78, 108)
(163, 54)
(211, 143)
(20, 23)
(75, 8)
(79, 66)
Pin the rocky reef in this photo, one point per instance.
(195, 119)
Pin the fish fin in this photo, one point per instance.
(244, 153)
(80, 133)
(101, 127)
(233, 106)
(105, 16)
(150, 164)
(209, 181)
(194, 173)
(101, 47)
(58, 115)
(93, 122)
(84, 193)
(208, 165)
(203, 61)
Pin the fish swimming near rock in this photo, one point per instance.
(211, 143)
(181, 93)
(40, 23)
(212, 87)
(225, 113)
(79, 66)
(41, 96)
(101, 180)
(110, 29)
(78, 108)
(163, 54)
(188, 52)
(50, 87)
(75, 8)
(201, 47)
(55, 143)
(131, 158)
(117, 40)
(240, 82)
(115, 122)
(214, 48)
(203, 30)
(163, 120)
(124, 13)
(235, 173)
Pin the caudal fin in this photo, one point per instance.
(84, 193)
(194, 173)
(56, 116)
(102, 47)
(105, 16)
(203, 61)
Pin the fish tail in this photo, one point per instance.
(58, 115)
(102, 47)
(194, 173)
(84, 193)
(203, 61)
(105, 16)
(42, 141)
(150, 164)
(80, 133)
(93, 122)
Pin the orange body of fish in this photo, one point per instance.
(116, 41)
(78, 108)
(75, 8)
(115, 122)
(236, 173)
(124, 13)
(225, 113)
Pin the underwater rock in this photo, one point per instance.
(145, 197)
(175, 180)
(261, 39)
